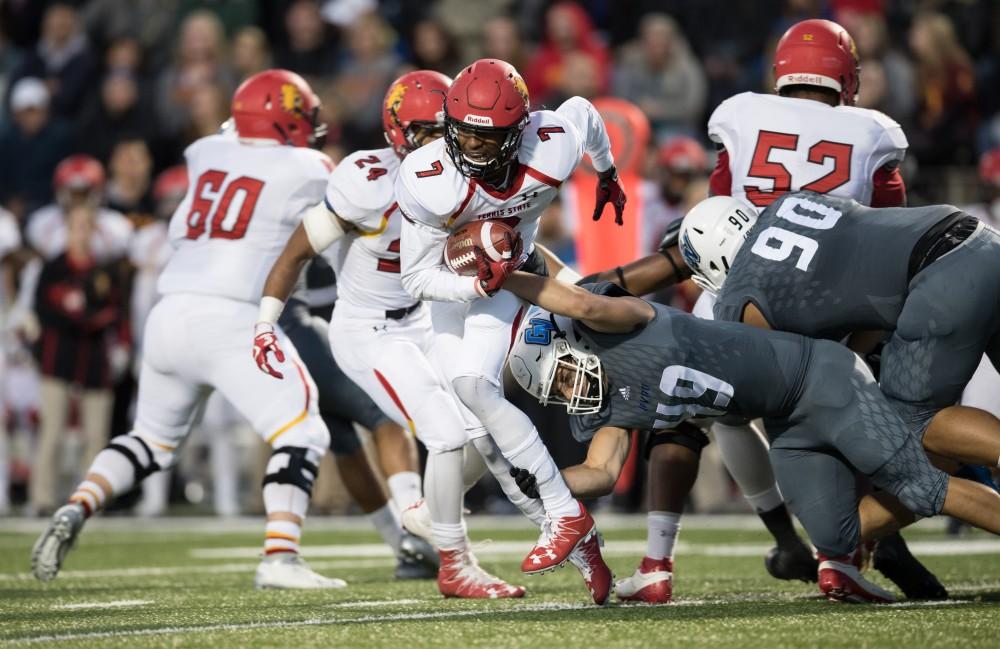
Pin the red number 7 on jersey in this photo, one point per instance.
(211, 182)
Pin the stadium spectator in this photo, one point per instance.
(129, 189)
(10, 61)
(987, 206)
(882, 66)
(30, 148)
(581, 78)
(78, 180)
(118, 111)
(250, 52)
(435, 48)
(78, 302)
(200, 59)
(369, 67)
(311, 50)
(568, 29)
(62, 59)
(946, 105)
(150, 22)
(209, 106)
(501, 39)
(660, 75)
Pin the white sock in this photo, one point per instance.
(474, 467)
(518, 440)
(90, 495)
(281, 536)
(662, 529)
(744, 452)
(498, 465)
(386, 522)
(533, 456)
(450, 536)
(405, 488)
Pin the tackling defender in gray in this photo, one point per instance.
(830, 268)
(618, 362)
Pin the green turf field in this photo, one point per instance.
(187, 583)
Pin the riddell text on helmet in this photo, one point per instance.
(479, 120)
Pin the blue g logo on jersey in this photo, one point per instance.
(539, 331)
(691, 256)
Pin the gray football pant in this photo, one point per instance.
(842, 424)
(950, 319)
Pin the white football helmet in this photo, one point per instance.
(711, 235)
(545, 343)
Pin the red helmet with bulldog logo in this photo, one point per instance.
(487, 97)
(414, 101)
(278, 105)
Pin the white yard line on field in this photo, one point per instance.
(118, 603)
(209, 628)
(611, 548)
(188, 525)
(377, 603)
(376, 555)
(167, 571)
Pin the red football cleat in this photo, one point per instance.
(461, 576)
(841, 581)
(597, 575)
(558, 540)
(652, 583)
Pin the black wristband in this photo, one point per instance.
(673, 264)
(621, 277)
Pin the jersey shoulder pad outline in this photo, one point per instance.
(428, 187)
(362, 183)
(552, 145)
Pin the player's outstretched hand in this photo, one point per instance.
(525, 481)
(493, 273)
(264, 342)
(610, 190)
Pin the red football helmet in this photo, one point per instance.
(989, 167)
(487, 97)
(278, 105)
(415, 100)
(682, 155)
(818, 53)
(171, 182)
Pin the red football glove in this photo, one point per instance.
(265, 341)
(492, 274)
(610, 190)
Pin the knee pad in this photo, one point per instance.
(292, 465)
(685, 434)
(343, 438)
(139, 454)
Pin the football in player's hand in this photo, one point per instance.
(493, 237)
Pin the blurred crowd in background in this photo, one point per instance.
(101, 97)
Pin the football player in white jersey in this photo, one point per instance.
(497, 160)
(382, 337)
(246, 196)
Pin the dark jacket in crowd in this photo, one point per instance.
(79, 308)
(27, 163)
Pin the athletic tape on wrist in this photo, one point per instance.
(270, 310)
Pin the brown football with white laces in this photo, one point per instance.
(459, 251)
